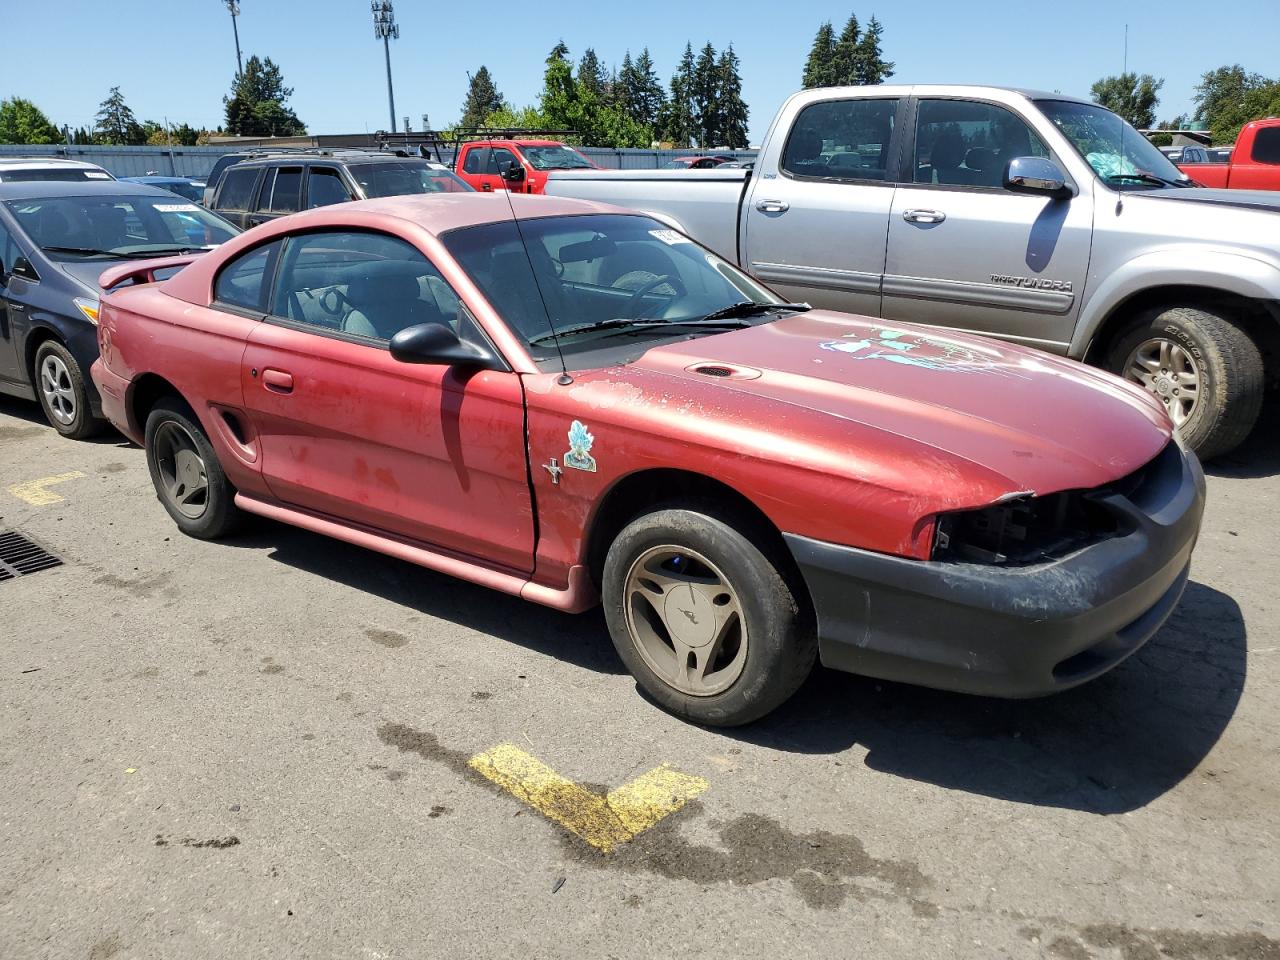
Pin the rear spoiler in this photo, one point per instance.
(142, 271)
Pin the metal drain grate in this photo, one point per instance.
(19, 556)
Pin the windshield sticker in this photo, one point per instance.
(669, 237)
(176, 207)
(921, 350)
(96, 175)
(579, 455)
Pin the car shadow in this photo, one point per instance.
(582, 640)
(1259, 455)
(31, 412)
(1110, 746)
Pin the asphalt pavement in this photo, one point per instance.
(284, 746)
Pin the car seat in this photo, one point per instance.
(946, 156)
(383, 305)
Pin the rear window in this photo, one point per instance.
(1266, 147)
(282, 191)
(854, 134)
(237, 188)
(73, 175)
(242, 282)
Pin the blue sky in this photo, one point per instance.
(177, 58)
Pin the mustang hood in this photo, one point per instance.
(1043, 423)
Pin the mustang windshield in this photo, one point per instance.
(555, 158)
(602, 277)
(1118, 153)
(120, 227)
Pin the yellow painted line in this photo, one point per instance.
(35, 493)
(602, 821)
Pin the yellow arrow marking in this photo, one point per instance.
(602, 821)
(34, 492)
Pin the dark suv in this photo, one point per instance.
(255, 191)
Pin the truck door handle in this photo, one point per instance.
(923, 216)
(277, 380)
(773, 206)
(486, 186)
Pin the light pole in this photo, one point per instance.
(385, 29)
(234, 7)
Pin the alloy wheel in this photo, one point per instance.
(686, 620)
(1169, 372)
(59, 394)
(184, 480)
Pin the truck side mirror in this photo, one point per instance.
(1035, 175)
(512, 172)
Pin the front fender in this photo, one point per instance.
(1185, 266)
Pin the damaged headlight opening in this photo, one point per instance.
(1024, 530)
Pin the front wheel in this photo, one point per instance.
(703, 617)
(187, 476)
(63, 394)
(1202, 366)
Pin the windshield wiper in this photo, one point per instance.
(623, 323)
(87, 251)
(1143, 177)
(124, 254)
(748, 308)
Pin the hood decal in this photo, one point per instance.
(916, 349)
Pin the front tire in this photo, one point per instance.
(60, 385)
(704, 618)
(188, 479)
(1204, 368)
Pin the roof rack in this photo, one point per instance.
(423, 144)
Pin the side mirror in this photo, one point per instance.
(512, 172)
(438, 344)
(1035, 175)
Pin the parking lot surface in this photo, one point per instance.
(284, 746)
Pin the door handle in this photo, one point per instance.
(277, 380)
(17, 307)
(486, 186)
(923, 216)
(773, 206)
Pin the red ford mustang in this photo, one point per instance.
(582, 405)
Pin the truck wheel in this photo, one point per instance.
(59, 383)
(188, 478)
(703, 618)
(1203, 367)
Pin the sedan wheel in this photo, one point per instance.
(184, 479)
(59, 394)
(1169, 372)
(186, 473)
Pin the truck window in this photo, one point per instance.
(963, 143)
(499, 157)
(237, 188)
(841, 140)
(325, 187)
(286, 192)
(475, 160)
(1266, 146)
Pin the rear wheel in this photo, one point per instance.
(60, 385)
(704, 618)
(1204, 368)
(185, 471)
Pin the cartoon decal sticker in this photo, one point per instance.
(579, 455)
(921, 350)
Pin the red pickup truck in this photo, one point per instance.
(1254, 163)
(481, 162)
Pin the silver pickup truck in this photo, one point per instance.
(1033, 217)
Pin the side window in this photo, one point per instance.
(243, 282)
(842, 140)
(499, 157)
(325, 187)
(1266, 146)
(236, 191)
(286, 191)
(8, 253)
(365, 284)
(962, 143)
(475, 160)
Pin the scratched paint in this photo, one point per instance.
(602, 821)
(919, 350)
(36, 492)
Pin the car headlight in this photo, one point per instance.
(1023, 530)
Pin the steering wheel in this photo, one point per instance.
(334, 302)
(676, 284)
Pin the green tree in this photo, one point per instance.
(1133, 97)
(186, 135)
(820, 68)
(638, 92)
(678, 120)
(591, 76)
(256, 107)
(21, 121)
(483, 98)
(115, 122)
(706, 98)
(733, 110)
(1227, 98)
(870, 67)
(528, 118)
(844, 61)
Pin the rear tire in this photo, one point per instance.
(59, 383)
(704, 618)
(1171, 351)
(188, 479)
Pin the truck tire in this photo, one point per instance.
(64, 397)
(704, 618)
(1202, 366)
(184, 468)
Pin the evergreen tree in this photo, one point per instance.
(625, 86)
(115, 122)
(21, 121)
(677, 116)
(482, 99)
(256, 105)
(559, 52)
(705, 94)
(870, 66)
(819, 69)
(591, 76)
(646, 96)
(733, 111)
(844, 60)
(82, 137)
(185, 134)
